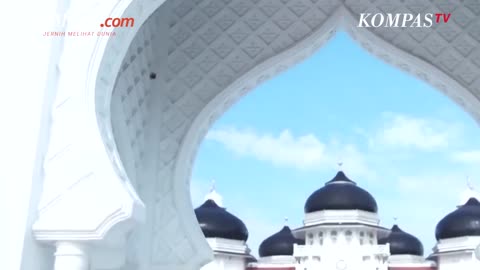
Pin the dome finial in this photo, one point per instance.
(214, 196)
(468, 193)
(212, 185)
(340, 164)
(395, 220)
(469, 184)
(285, 220)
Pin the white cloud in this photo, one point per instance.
(425, 198)
(285, 149)
(198, 190)
(308, 152)
(412, 132)
(470, 157)
(432, 193)
(450, 186)
(305, 152)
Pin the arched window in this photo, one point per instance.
(362, 237)
(334, 234)
(310, 238)
(348, 235)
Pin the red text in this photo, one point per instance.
(118, 22)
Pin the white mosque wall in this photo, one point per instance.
(410, 262)
(226, 262)
(342, 216)
(458, 243)
(27, 80)
(327, 245)
(327, 257)
(280, 262)
(340, 236)
(456, 261)
(457, 253)
(234, 263)
(228, 245)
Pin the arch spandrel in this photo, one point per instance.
(243, 59)
(207, 54)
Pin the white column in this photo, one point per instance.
(71, 256)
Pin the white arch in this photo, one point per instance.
(342, 18)
(102, 72)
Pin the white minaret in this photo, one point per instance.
(214, 196)
(470, 192)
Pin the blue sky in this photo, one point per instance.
(399, 138)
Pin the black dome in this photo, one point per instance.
(402, 243)
(341, 193)
(215, 221)
(278, 244)
(465, 221)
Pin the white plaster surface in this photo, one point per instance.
(28, 85)
(207, 54)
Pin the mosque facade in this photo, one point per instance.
(341, 231)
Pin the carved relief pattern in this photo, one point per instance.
(212, 43)
(451, 47)
(129, 103)
(175, 251)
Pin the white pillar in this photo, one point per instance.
(71, 256)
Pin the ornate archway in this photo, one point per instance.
(152, 92)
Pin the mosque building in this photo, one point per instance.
(341, 231)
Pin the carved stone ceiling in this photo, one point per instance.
(214, 42)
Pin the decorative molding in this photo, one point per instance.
(458, 243)
(341, 216)
(82, 168)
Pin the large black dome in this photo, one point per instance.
(281, 243)
(215, 221)
(402, 243)
(341, 193)
(465, 221)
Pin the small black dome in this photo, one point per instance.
(341, 193)
(279, 244)
(402, 243)
(465, 221)
(215, 221)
